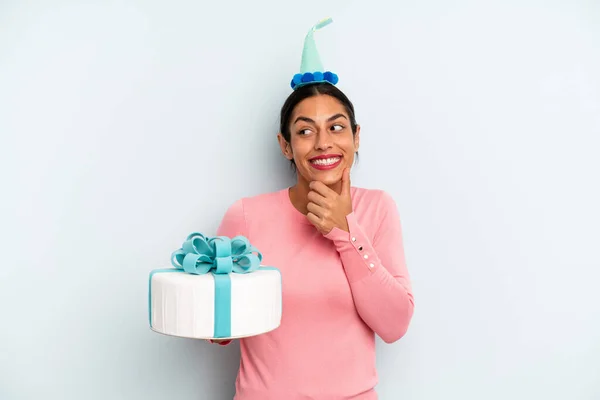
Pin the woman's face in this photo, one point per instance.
(321, 140)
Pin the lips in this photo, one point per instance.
(325, 156)
(326, 161)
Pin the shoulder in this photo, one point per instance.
(260, 202)
(377, 212)
(373, 199)
(257, 203)
(263, 199)
(242, 215)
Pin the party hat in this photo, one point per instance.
(311, 67)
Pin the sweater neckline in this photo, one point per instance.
(290, 209)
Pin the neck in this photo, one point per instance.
(299, 194)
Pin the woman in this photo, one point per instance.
(339, 249)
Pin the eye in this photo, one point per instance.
(337, 127)
(304, 131)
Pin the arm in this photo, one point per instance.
(232, 224)
(377, 272)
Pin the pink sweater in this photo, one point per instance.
(339, 290)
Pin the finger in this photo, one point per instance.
(316, 209)
(316, 221)
(346, 182)
(321, 188)
(317, 198)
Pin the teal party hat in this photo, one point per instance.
(311, 67)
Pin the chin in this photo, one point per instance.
(329, 178)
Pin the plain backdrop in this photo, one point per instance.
(126, 125)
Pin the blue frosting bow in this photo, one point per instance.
(220, 255)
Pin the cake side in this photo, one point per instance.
(183, 304)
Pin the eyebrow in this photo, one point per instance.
(332, 118)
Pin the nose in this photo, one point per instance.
(323, 141)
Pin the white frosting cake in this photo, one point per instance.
(183, 304)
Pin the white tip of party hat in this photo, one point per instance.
(311, 61)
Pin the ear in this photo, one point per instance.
(286, 148)
(357, 138)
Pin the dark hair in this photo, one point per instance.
(305, 92)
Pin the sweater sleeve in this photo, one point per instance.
(377, 272)
(232, 224)
(234, 221)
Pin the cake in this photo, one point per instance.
(216, 290)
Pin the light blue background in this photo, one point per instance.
(120, 121)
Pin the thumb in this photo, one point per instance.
(346, 182)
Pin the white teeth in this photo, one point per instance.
(326, 161)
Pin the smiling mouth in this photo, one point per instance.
(325, 161)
